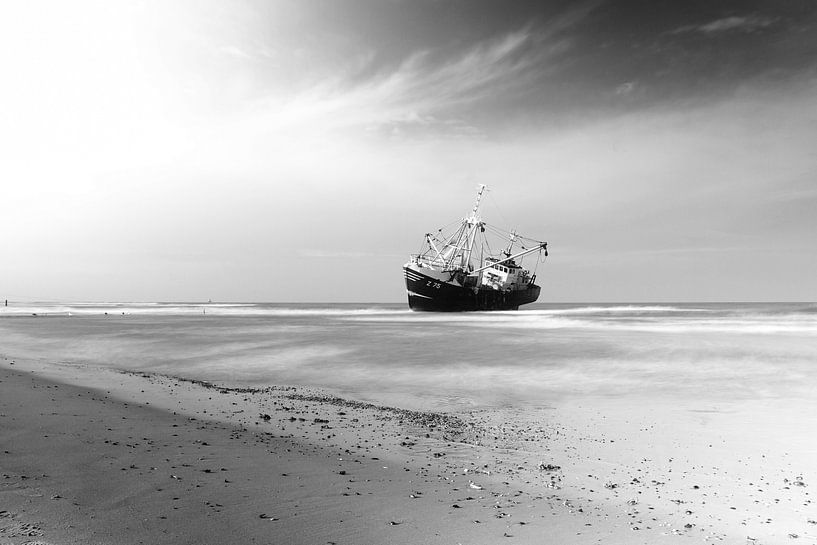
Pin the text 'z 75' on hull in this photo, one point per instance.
(457, 271)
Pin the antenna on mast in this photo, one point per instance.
(512, 238)
(472, 219)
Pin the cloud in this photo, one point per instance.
(133, 145)
(626, 88)
(339, 254)
(745, 24)
(419, 92)
(235, 51)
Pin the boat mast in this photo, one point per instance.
(472, 222)
(430, 242)
(473, 217)
(512, 238)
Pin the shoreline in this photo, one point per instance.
(127, 456)
(86, 462)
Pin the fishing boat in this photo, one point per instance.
(457, 271)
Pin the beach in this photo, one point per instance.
(87, 466)
(93, 453)
(393, 272)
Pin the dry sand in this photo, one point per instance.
(91, 455)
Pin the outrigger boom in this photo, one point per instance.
(542, 246)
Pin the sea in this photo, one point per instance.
(386, 353)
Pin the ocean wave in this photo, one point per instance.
(745, 327)
(756, 324)
(189, 309)
(622, 309)
(516, 316)
(306, 312)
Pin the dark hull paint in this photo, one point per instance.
(429, 294)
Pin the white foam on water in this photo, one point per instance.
(665, 349)
(625, 309)
(748, 327)
(580, 319)
(284, 362)
(331, 312)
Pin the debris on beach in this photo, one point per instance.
(438, 464)
(798, 481)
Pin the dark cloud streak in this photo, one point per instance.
(585, 60)
(636, 46)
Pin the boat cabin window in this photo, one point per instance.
(504, 268)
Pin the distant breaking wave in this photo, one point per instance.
(628, 309)
(660, 319)
(189, 309)
(644, 319)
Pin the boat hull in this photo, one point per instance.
(435, 294)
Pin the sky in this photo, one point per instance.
(298, 150)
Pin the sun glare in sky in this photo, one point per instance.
(299, 150)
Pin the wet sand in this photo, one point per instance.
(90, 455)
